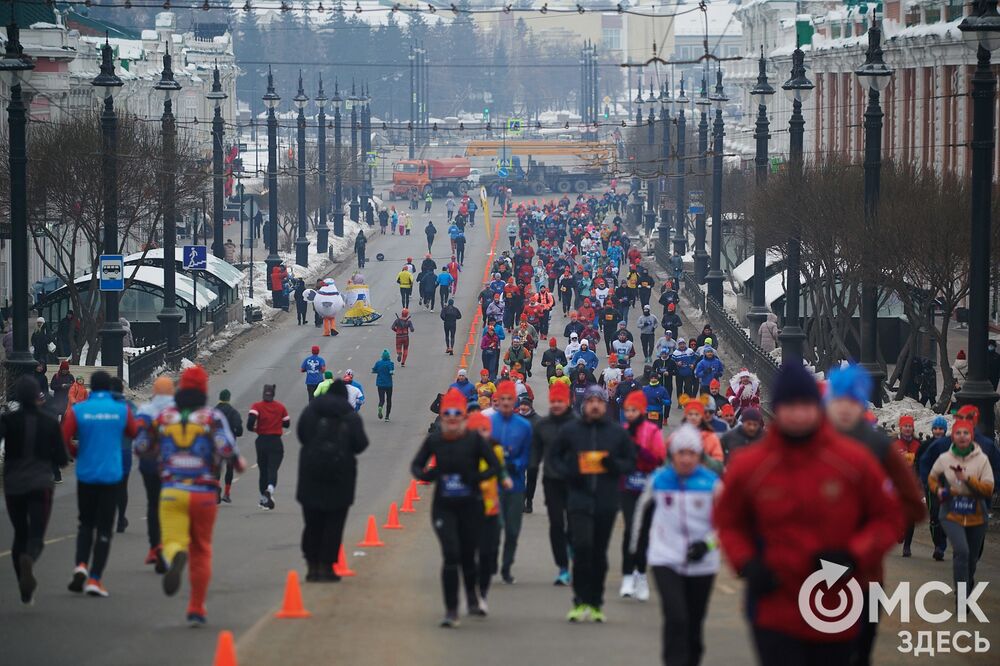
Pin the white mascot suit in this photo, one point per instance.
(328, 303)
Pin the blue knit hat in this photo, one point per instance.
(940, 422)
(852, 382)
(794, 384)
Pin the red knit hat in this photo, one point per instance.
(905, 419)
(714, 384)
(968, 413)
(315, 349)
(552, 342)
(506, 388)
(694, 405)
(195, 378)
(478, 421)
(964, 423)
(453, 399)
(727, 410)
(558, 391)
(637, 400)
(961, 355)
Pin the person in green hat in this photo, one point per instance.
(324, 385)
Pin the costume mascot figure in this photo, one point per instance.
(328, 303)
(357, 298)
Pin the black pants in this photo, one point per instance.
(647, 343)
(385, 398)
(29, 515)
(96, 503)
(567, 301)
(634, 562)
(777, 649)
(121, 501)
(590, 534)
(449, 335)
(460, 253)
(361, 258)
(301, 310)
(228, 464)
(322, 534)
(311, 389)
(457, 524)
(684, 602)
(532, 484)
(445, 291)
(489, 548)
(430, 243)
(151, 481)
(431, 298)
(555, 507)
(270, 452)
(404, 296)
(938, 536)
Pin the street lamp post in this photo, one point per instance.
(876, 75)
(651, 196)
(110, 85)
(664, 233)
(338, 165)
(217, 97)
(16, 69)
(413, 98)
(322, 230)
(704, 104)
(680, 219)
(798, 88)
(366, 148)
(762, 94)
(352, 106)
(301, 241)
(271, 101)
(981, 27)
(170, 315)
(715, 275)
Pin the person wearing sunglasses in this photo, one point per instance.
(457, 507)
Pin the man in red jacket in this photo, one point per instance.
(269, 419)
(803, 494)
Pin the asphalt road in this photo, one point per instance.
(387, 614)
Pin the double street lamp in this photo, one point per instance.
(301, 242)
(110, 86)
(322, 231)
(217, 97)
(353, 101)
(876, 75)
(704, 104)
(16, 68)
(680, 220)
(271, 101)
(338, 157)
(170, 316)
(798, 88)
(761, 93)
(982, 28)
(715, 275)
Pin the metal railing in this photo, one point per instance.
(220, 317)
(693, 291)
(142, 366)
(739, 343)
(188, 349)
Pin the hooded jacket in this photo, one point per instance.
(383, 369)
(593, 493)
(332, 435)
(768, 332)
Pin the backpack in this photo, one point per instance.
(329, 447)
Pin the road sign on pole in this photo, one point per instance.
(515, 126)
(696, 202)
(195, 257)
(502, 172)
(112, 267)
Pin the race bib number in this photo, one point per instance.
(964, 506)
(653, 416)
(636, 481)
(609, 317)
(453, 486)
(563, 289)
(592, 462)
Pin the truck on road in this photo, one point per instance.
(440, 176)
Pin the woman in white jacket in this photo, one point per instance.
(682, 546)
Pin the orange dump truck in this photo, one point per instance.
(449, 174)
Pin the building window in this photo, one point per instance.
(834, 31)
(611, 38)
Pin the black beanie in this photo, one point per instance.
(794, 383)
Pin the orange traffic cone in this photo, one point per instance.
(292, 607)
(371, 539)
(225, 650)
(392, 522)
(411, 491)
(340, 567)
(407, 504)
(463, 363)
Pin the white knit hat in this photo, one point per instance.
(686, 438)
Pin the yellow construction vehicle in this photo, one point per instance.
(591, 162)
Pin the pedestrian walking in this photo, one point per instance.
(268, 418)
(149, 469)
(332, 435)
(360, 245)
(235, 422)
(647, 324)
(188, 439)
(97, 426)
(428, 200)
(682, 549)
(457, 506)
(445, 280)
(383, 371)
(449, 318)
(593, 453)
(33, 447)
(402, 327)
(301, 304)
(405, 281)
(430, 231)
(313, 366)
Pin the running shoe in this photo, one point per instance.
(269, 502)
(507, 577)
(563, 579)
(938, 554)
(122, 524)
(627, 590)
(641, 587)
(380, 412)
(450, 620)
(196, 620)
(227, 499)
(79, 578)
(94, 588)
(596, 615)
(151, 556)
(580, 613)
(26, 580)
(907, 552)
(529, 506)
(172, 579)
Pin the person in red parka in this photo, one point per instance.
(802, 495)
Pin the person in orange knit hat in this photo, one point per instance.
(457, 507)
(189, 439)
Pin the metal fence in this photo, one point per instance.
(693, 291)
(220, 317)
(142, 366)
(188, 349)
(739, 343)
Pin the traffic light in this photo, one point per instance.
(486, 113)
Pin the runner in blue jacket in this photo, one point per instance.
(708, 368)
(513, 432)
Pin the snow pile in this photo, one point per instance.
(219, 341)
(888, 415)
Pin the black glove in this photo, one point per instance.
(841, 557)
(760, 579)
(696, 551)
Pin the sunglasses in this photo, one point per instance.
(452, 412)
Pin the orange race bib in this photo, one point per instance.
(592, 462)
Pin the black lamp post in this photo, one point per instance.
(338, 165)
(704, 104)
(217, 97)
(680, 220)
(16, 69)
(352, 106)
(664, 164)
(366, 148)
(981, 27)
(170, 316)
(110, 86)
(876, 75)
(301, 241)
(762, 94)
(271, 101)
(651, 196)
(715, 275)
(413, 98)
(798, 88)
(322, 231)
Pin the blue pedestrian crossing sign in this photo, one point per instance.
(515, 125)
(112, 272)
(502, 172)
(195, 257)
